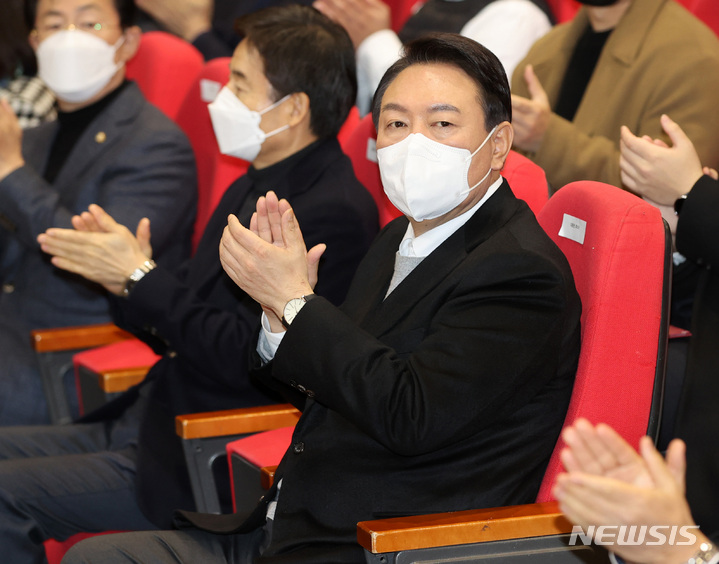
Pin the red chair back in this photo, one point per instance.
(164, 68)
(215, 171)
(563, 10)
(619, 253)
(708, 12)
(361, 148)
(527, 180)
(401, 10)
(348, 127)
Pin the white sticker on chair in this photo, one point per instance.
(573, 228)
(372, 150)
(209, 89)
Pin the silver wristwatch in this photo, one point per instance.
(293, 307)
(137, 275)
(707, 554)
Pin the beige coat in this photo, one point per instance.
(659, 59)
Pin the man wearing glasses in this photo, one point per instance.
(109, 147)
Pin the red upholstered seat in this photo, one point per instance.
(563, 10)
(360, 147)
(215, 171)
(708, 12)
(527, 179)
(164, 68)
(131, 353)
(55, 550)
(621, 270)
(247, 455)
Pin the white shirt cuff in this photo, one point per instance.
(268, 342)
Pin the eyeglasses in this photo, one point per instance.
(90, 26)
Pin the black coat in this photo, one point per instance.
(698, 417)
(448, 395)
(203, 323)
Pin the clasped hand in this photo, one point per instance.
(270, 261)
(99, 248)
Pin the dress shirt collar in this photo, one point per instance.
(423, 245)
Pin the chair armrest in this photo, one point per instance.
(462, 527)
(267, 476)
(81, 337)
(236, 421)
(122, 379)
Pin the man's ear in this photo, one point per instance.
(129, 47)
(33, 40)
(299, 108)
(502, 144)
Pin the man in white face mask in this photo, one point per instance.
(110, 147)
(442, 381)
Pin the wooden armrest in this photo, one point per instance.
(82, 337)
(121, 379)
(267, 476)
(236, 421)
(462, 527)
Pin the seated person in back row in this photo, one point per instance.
(443, 380)
(618, 62)
(110, 147)
(122, 467)
(490, 22)
(673, 178)
(608, 484)
(207, 24)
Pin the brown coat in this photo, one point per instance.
(659, 59)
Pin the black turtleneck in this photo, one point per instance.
(579, 71)
(71, 127)
(263, 179)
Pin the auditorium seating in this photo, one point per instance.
(164, 68)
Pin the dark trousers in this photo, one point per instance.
(56, 481)
(171, 547)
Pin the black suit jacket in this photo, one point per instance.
(447, 395)
(698, 417)
(203, 323)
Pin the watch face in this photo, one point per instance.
(292, 308)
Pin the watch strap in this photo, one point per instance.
(679, 203)
(137, 275)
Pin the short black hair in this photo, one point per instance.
(16, 55)
(125, 8)
(478, 62)
(304, 51)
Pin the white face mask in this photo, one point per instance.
(425, 179)
(76, 65)
(237, 128)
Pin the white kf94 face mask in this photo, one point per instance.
(237, 128)
(425, 179)
(76, 65)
